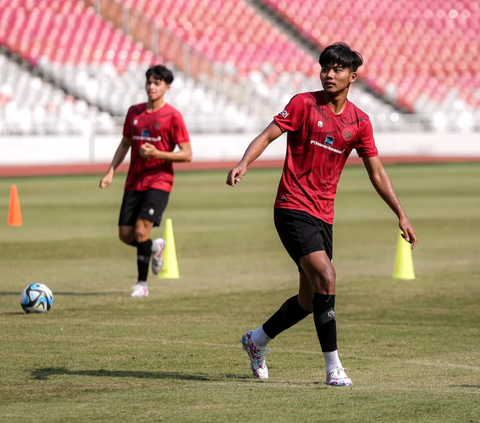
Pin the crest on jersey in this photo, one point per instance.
(283, 113)
(347, 133)
(329, 140)
(319, 123)
(157, 126)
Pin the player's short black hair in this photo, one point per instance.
(341, 54)
(161, 73)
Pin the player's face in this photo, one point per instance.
(155, 88)
(336, 78)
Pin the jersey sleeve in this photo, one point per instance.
(180, 132)
(127, 126)
(292, 116)
(366, 143)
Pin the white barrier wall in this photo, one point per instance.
(47, 150)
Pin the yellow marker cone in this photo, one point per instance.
(404, 261)
(170, 265)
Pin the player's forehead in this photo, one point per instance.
(154, 79)
(333, 65)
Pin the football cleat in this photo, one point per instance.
(157, 255)
(256, 355)
(139, 291)
(338, 377)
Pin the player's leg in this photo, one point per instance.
(321, 274)
(134, 230)
(153, 207)
(131, 206)
(127, 223)
(292, 310)
(290, 313)
(144, 252)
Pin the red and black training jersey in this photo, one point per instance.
(318, 145)
(164, 128)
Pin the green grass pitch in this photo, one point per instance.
(412, 348)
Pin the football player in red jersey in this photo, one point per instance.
(323, 128)
(152, 130)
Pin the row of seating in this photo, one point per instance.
(422, 48)
(28, 105)
(99, 65)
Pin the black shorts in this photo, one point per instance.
(148, 205)
(302, 234)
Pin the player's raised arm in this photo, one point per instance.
(383, 185)
(254, 150)
(120, 154)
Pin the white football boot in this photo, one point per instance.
(139, 291)
(338, 377)
(158, 245)
(256, 355)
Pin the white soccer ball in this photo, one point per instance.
(36, 298)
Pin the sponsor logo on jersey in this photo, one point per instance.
(151, 211)
(145, 133)
(143, 138)
(329, 140)
(319, 123)
(135, 121)
(326, 147)
(283, 113)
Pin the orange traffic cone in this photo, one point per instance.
(14, 212)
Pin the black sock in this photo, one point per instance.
(324, 317)
(287, 315)
(134, 243)
(144, 251)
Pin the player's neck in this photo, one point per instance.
(336, 102)
(154, 105)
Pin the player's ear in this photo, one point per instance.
(353, 77)
(167, 87)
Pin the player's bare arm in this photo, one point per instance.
(184, 154)
(383, 185)
(254, 150)
(120, 154)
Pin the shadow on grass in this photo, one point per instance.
(71, 294)
(44, 374)
(467, 386)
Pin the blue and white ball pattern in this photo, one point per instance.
(36, 298)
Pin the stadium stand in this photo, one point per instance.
(29, 105)
(94, 62)
(244, 42)
(233, 64)
(421, 54)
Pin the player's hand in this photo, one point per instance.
(408, 231)
(106, 180)
(236, 174)
(147, 151)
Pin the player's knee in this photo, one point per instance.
(125, 236)
(327, 281)
(141, 235)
